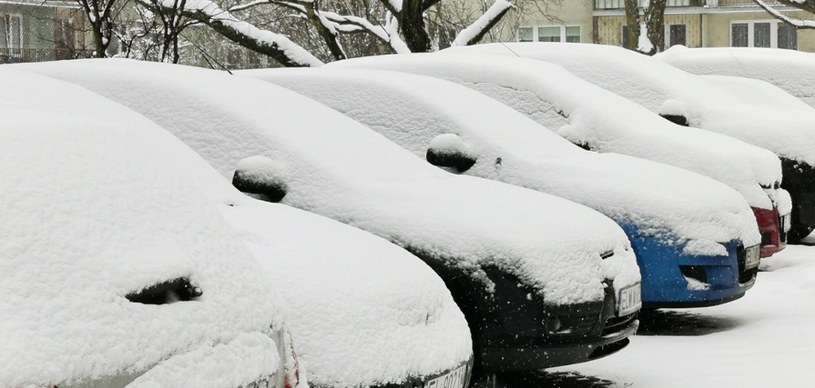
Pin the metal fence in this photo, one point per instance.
(20, 55)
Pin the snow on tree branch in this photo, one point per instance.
(476, 31)
(800, 23)
(388, 34)
(277, 46)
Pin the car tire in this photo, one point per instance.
(798, 232)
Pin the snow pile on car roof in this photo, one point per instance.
(363, 311)
(663, 201)
(337, 167)
(665, 89)
(589, 115)
(91, 213)
(790, 70)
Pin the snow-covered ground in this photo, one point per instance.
(762, 340)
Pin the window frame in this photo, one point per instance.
(668, 35)
(561, 27)
(774, 23)
(8, 45)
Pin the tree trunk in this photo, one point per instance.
(655, 21)
(632, 23)
(411, 21)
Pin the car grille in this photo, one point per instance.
(616, 324)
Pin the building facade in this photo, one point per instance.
(36, 30)
(693, 23)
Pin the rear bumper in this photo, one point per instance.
(673, 279)
(773, 235)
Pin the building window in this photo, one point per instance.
(549, 34)
(787, 36)
(526, 34)
(11, 35)
(676, 34)
(763, 33)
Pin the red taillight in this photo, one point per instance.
(291, 365)
(771, 230)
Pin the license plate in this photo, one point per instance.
(753, 257)
(785, 220)
(454, 379)
(629, 300)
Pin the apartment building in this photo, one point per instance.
(37, 30)
(693, 23)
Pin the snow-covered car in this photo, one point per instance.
(363, 312)
(535, 291)
(790, 70)
(690, 100)
(692, 235)
(569, 106)
(116, 270)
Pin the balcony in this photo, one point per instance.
(620, 4)
(20, 55)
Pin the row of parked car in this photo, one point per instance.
(174, 226)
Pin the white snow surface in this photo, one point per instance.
(651, 83)
(93, 210)
(586, 114)
(790, 70)
(363, 311)
(243, 360)
(665, 202)
(345, 171)
(761, 340)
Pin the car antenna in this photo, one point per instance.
(510, 50)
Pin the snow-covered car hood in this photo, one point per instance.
(665, 89)
(336, 167)
(790, 70)
(589, 115)
(363, 311)
(661, 201)
(93, 215)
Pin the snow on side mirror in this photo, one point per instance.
(448, 150)
(262, 177)
(674, 111)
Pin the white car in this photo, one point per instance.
(363, 312)
(534, 290)
(672, 216)
(790, 70)
(602, 121)
(116, 270)
(691, 100)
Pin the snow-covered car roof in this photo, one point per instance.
(363, 311)
(666, 90)
(587, 114)
(664, 202)
(93, 216)
(790, 70)
(335, 166)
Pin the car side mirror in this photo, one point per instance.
(674, 111)
(448, 150)
(262, 177)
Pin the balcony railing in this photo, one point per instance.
(620, 4)
(20, 55)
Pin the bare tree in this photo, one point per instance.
(645, 23)
(100, 16)
(804, 5)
